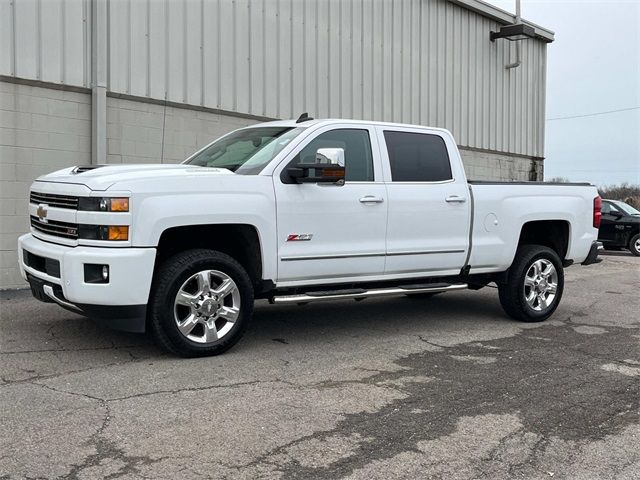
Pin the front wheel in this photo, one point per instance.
(634, 245)
(534, 286)
(201, 303)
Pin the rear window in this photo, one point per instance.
(417, 157)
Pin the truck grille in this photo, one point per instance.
(55, 228)
(55, 200)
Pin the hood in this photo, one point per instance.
(101, 177)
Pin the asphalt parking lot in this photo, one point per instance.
(398, 388)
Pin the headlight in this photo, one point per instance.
(103, 232)
(103, 204)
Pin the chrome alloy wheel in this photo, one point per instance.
(540, 284)
(207, 306)
(636, 245)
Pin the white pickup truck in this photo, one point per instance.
(295, 212)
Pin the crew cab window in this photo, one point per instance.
(417, 157)
(358, 160)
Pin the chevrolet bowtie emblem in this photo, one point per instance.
(42, 212)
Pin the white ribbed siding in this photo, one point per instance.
(47, 40)
(416, 61)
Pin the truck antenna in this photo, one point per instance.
(304, 118)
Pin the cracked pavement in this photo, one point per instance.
(446, 387)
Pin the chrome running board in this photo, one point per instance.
(358, 294)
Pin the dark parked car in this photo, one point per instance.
(620, 226)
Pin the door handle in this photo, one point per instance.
(371, 199)
(455, 199)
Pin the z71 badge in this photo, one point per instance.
(299, 237)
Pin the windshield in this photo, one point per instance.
(626, 208)
(246, 151)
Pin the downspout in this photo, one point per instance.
(98, 81)
(518, 59)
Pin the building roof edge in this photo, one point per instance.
(502, 16)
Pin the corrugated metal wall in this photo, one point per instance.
(417, 61)
(48, 40)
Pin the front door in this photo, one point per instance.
(331, 233)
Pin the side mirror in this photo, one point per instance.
(615, 213)
(328, 168)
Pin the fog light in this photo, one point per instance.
(96, 273)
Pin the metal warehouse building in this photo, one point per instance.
(131, 81)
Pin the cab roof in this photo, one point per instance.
(327, 121)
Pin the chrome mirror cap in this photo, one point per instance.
(330, 156)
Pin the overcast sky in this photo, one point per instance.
(593, 66)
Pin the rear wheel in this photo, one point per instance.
(201, 303)
(634, 245)
(534, 286)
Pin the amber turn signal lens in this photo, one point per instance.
(119, 204)
(331, 172)
(118, 233)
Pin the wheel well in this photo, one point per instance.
(550, 233)
(240, 242)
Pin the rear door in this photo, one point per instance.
(429, 204)
(331, 233)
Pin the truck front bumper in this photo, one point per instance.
(596, 248)
(56, 273)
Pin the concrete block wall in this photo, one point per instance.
(135, 131)
(480, 165)
(41, 130)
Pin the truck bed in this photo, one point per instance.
(499, 215)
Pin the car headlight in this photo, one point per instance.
(103, 204)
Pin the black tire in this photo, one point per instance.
(168, 279)
(634, 245)
(512, 292)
